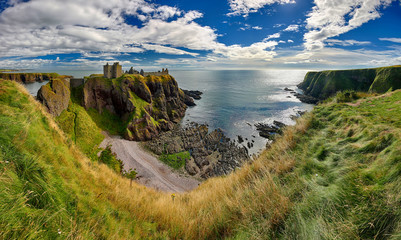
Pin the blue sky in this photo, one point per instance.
(207, 34)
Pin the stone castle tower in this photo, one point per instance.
(112, 71)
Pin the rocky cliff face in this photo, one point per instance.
(147, 105)
(29, 77)
(212, 154)
(322, 85)
(55, 96)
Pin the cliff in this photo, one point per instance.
(145, 105)
(322, 85)
(55, 96)
(29, 77)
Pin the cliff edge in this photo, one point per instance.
(145, 105)
(29, 77)
(324, 84)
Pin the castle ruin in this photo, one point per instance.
(113, 71)
(116, 71)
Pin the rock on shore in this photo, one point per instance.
(55, 96)
(212, 154)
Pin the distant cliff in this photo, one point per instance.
(324, 84)
(146, 105)
(29, 77)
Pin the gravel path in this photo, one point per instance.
(151, 172)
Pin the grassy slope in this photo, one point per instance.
(336, 174)
(77, 123)
(326, 83)
(48, 186)
(345, 184)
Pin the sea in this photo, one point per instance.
(234, 100)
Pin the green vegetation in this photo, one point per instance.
(109, 158)
(345, 183)
(47, 190)
(176, 160)
(131, 175)
(325, 84)
(28, 77)
(107, 121)
(335, 175)
(79, 126)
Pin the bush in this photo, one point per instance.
(346, 96)
(109, 158)
(176, 160)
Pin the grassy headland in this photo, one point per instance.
(336, 174)
(325, 84)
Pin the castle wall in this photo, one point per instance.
(107, 71)
(117, 71)
(76, 82)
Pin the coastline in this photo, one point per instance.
(151, 171)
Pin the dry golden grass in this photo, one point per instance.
(217, 208)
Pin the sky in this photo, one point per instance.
(203, 34)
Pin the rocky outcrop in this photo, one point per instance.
(321, 85)
(147, 105)
(269, 131)
(212, 154)
(306, 98)
(195, 94)
(55, 96)
(29, 77)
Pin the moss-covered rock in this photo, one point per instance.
(146, 105)
(324, 84)
(55, 96)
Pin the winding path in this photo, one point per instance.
(151, 172)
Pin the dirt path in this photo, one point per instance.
(151, 172)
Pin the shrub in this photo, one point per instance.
(109, 158)
(346, 96)
(176, 160)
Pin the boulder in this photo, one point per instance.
(55, 96)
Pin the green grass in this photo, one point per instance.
(335, 175)
(46, 190)
(340, 187)
(325, 84)
(176, 160)
(109, 158)
(79, 126)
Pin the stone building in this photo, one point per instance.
(112, 71)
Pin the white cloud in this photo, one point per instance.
(244, 7)
(292, 28)
(337, 58)
(257, 28)
(97, 29)
(275, 35)
(25, 63)
(332, 18)
(256, 51)
(43, 27)
(332, 42)
(167, 50)
(290, 41)
(394, 40)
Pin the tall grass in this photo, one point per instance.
(315, 182)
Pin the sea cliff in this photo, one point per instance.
(324, 84)
(29, 77)
(145, 105)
